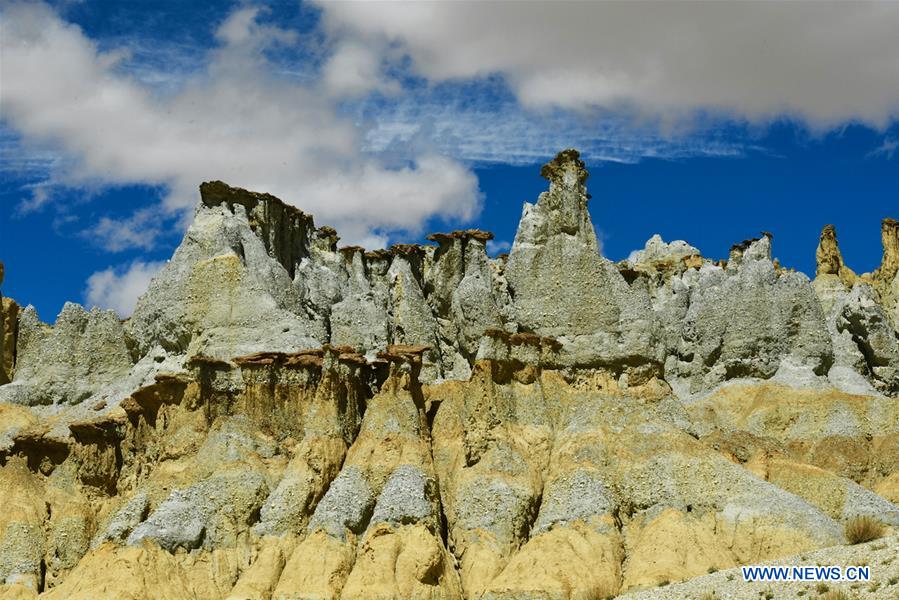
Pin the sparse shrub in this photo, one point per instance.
(712, 570)
(836, 595)
(821, 588)
(859, 530)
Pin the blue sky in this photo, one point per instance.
(707, 123)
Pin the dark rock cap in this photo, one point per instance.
(216, 193)
(565, 160)
(462, 234)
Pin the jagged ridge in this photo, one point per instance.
(285, 418)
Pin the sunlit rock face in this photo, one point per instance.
(9, 324)
(283, 417)
(561, 287)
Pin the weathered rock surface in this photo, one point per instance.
(282, 418)
(6, 347)
(865, 342)
(228, 290)
(879, 556)
(745, 319)
(67, 363)
(829, 259)
(9, 332)
(886, 277)
(562, 288)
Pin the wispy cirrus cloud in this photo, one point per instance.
(496, 129)
(887, 149)
(19, 160)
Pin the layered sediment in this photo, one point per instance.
(286, 418)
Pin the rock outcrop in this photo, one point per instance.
(9, 329)
(829, 259)
(284, 418)
(747, 319)
(889, 266)
(9, 333)
(67, 363)
(229, 288)
(561, 287)
(886, 277)
(859, 320)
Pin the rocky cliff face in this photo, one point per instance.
(285, 418)
(9, 324)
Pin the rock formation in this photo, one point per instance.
(829, 259)
(9, 328)
(889, 266)
(563, 288)
(284, 418)
(861, 316)
(230, 287)
(886, 277)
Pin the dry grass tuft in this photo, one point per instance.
(859, 530)
(836, 595)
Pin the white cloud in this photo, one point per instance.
(495, 247)
(95, 118)
(826, 62)
(234, 120)
(118, 288)
(140, 230)
(241, 29)
(354, 70)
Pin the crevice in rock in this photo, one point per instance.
(42, 576)
(443, 521)
(430, 415)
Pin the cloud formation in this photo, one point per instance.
(235, 120)
(495, 247)
(826, 62)
(119, 288)
(501, 131)
(140, 230)
(355, 140)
